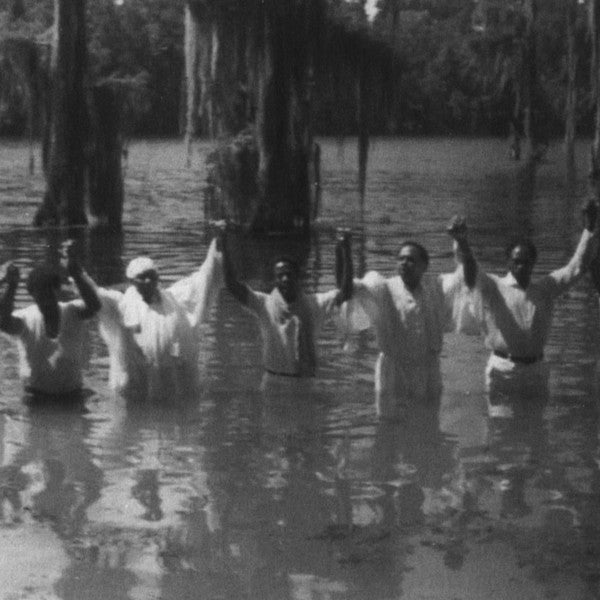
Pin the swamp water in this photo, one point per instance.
(226, 496)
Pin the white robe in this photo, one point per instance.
(409, 327)
(153, 348)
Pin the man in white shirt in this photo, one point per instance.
(51, 335)
(289, 318)
(515, 314)
(153, 334)
(409, 314)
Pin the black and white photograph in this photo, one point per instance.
(299, 300)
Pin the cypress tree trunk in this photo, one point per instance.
(282, 123)
(571, 95)
(105, 173)
(66, 127)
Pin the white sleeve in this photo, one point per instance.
(362, 310)
(199, 291)
(460, 315)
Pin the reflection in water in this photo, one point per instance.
(242, 493)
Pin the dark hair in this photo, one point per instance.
(525, 243)
(419, 248)
(43, 277)
(285, 258)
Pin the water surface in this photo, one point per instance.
(228, 496)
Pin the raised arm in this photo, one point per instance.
(583, 255)
(84, 283)
(9, 323)
(237, 289)
(344, 270)
(457, 229)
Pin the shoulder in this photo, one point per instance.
(28, 314)
(72, 309)
(256, 300)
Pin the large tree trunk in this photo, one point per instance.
(571, 94)
(68, 121)
(283, 117)
(260, 70)
(105, 173)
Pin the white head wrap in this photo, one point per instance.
(139, 265)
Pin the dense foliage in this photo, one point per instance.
(454, 77)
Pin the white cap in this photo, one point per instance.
(138, 266)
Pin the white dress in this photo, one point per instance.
(153, 348)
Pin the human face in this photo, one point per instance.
(286, 280)
(411, 266)
(520, 264)
(146, 284)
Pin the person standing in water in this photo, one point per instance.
(290, 319)
(153, 334)
(515, 314)
(51, 334)
(409, 313)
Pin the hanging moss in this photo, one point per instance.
(266, 62)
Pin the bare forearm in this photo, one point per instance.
(344, 271)
(237, 289)
(464, 255)
(87, 290)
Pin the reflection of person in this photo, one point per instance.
(152, 333)
(51, 335)
(409, 314)
(516, 314)
(289, 318)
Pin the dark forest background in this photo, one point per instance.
(455, 66)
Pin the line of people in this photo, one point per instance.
(154, 334)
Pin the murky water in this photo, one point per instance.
(230, 497)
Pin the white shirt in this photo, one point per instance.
(517, 321)
(409, 324)
(53, 365)
(282, 350)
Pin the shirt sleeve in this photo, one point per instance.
(457, 303)
(325, 306)
(199, 291)
(256, 302)
(558, 281)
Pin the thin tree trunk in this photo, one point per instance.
(67, 124)
(363, 129)
(191, 44)
(530, 80)
(571, 94)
